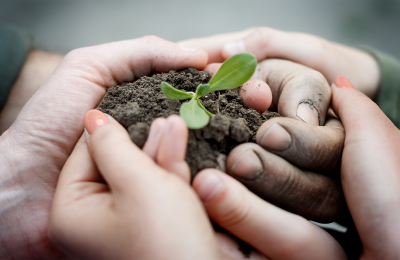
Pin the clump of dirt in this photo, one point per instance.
(135, 105)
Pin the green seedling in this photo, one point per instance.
(233, 73)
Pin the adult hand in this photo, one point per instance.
(34, 149)
(331, 59)
(284, 168)
(114, 202)
(370, 181)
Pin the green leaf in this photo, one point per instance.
(205, 110)
(173, 93)
(202, 90)
(234, 72)
(194, 116)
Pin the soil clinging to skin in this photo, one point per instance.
(135, 105)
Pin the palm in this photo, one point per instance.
(35, 148)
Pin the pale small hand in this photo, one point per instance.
(114, 202)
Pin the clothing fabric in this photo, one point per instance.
(15, 44)
(389, 87)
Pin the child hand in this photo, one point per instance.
(114, 202)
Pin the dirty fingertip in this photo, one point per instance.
(256, 94)
(308, 113)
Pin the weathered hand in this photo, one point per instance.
(34, 149)
(331, 59)
(284, 168)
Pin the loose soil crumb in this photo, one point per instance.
(135, 105)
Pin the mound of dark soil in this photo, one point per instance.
(135, 105)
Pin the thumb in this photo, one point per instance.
(370, 164)
(121, 163)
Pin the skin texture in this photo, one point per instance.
(331, 59)
(309, 148)
(96, 211)
(34, 149)
(284, 168)
(370, 180)
(124, 218)
(274, 232)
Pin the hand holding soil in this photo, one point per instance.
(36, 146)
(300, 94)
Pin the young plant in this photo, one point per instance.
(234, 72)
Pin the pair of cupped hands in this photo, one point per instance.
(114, 200)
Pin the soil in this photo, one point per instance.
(135, 105)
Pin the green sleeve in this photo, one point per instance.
(15, 45)
(389, 87)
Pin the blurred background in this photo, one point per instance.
(62, 25)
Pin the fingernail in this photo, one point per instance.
(307, 113)
(343, 82)
(209, 187)
(276, 138)
(93, 119)
(233, 48)
(168, 127)
(188, 49)
(154, 131)
(247, 166)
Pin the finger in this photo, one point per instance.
(370, 167)
(213, 44)
(307, 146)
(172, 149)
(273, 231)
(314, 196)
(79, 167)
(266, 42)
(255, 93)
(154, 138)
(329, 58)
(213, 68)
(297, 91)
(122, 164)
(80, 81)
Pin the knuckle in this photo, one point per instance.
(315, 80)
(263, 34)
(235, 214)
(151, 39)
